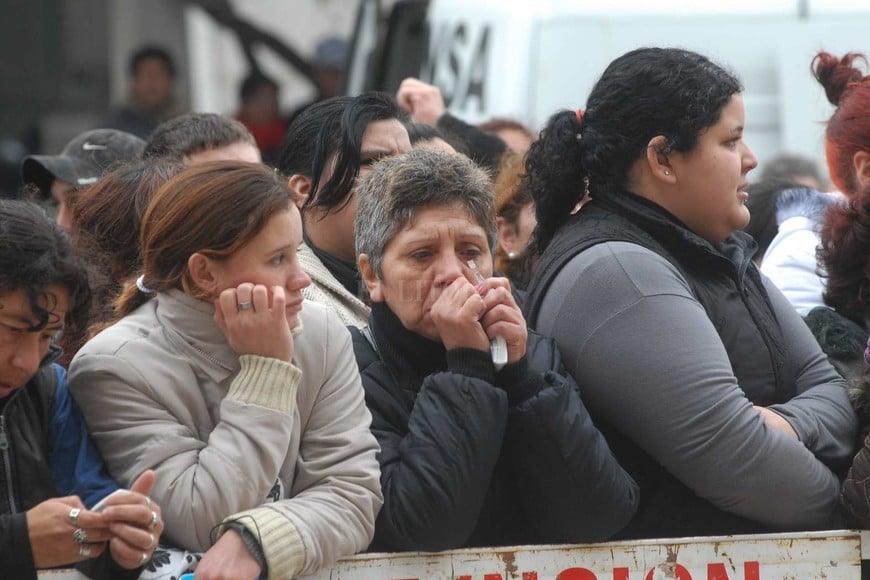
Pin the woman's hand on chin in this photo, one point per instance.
(457, 313)
(251, 324)
(503, 316)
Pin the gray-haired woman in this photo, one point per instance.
(470, 455)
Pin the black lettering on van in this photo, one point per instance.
(457, 47)
(477, 73)
(458, 64)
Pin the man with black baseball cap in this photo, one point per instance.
(81, 163)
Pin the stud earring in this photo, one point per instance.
(667, 172)
(512, 255)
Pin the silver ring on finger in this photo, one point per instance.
(73, 517)
(155, 519)
(80, 536)
(246, 305)
(85, 550)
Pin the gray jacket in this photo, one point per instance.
(163, 390)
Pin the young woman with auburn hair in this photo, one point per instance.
(256, 427)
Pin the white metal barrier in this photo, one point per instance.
(807, 555)
(799, 556)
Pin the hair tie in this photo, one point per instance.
(140, 284)
(579, 115)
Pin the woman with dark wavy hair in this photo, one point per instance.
(707, 384)
(53, 475)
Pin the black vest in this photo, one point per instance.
(726, 282)
(25, 476)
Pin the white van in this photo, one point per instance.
(527, 58)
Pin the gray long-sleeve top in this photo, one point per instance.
(652, 364)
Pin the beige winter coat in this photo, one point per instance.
(163, 390)
(327, 290)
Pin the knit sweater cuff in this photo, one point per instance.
(282, 545)
(471, 362)
(267, 382)
(519, 384)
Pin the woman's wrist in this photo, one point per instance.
(471, 362)
(252, 544)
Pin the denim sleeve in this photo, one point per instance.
(75, 462)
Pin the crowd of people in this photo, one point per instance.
(411, 333)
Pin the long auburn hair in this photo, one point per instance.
(215, 209)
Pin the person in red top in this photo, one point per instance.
(259, 113)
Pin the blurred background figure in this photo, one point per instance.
(329, 68)
(517, 136)
(794, 167)
(81, 164)
(200, 137)
(330, 65)
(151, 98)
(259, 113)
(515, 215)
(785, 220)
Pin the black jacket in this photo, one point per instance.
(473, 458)
(727, 284)
(27, 479)
(843, 340)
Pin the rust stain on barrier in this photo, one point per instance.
(510, 565)
(673, 552)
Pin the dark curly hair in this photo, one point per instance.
(35, 254)
(642, 94)
(845, 246)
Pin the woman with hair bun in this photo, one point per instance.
(707, 384)
(845, 249)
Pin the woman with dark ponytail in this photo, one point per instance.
(709, 387)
